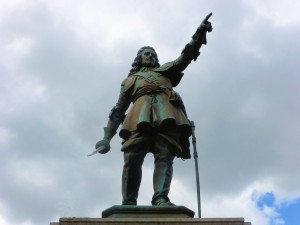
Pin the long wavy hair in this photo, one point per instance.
(137, 63)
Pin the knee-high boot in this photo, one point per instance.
(162, 178)
(131, 178)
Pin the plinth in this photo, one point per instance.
(149, 215)
(121, 211)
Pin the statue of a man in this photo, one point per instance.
(156, 122)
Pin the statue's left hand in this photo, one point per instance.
(206, 25)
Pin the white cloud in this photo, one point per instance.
(19, 91)
(61, 66)
(244, 204)
(14, 49)
(281, 13)
(31, 173)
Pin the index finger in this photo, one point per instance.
(207, 17)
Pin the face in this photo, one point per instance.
(148, 57)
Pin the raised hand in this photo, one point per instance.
(206, 25)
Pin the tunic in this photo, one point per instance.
(156, 106)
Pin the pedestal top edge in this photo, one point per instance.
(79, 219)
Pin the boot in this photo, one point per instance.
(162, 177)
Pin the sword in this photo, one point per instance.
(98, 150)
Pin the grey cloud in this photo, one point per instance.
(245, 109)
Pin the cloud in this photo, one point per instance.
(61, 68)
(280, 14)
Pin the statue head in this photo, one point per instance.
(146, 57)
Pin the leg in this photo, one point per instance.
(134, 155)
(163, 170)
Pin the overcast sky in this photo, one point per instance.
(61, 66)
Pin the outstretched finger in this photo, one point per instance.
(207, 17)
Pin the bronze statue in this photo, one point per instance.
(157, 121)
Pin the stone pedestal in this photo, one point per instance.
(151, 221)
(121, 211)
(149, 215)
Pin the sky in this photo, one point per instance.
(61, 66)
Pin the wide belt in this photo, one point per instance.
(147, 90)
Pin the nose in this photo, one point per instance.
(150, 54)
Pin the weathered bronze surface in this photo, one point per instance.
(156, 122)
